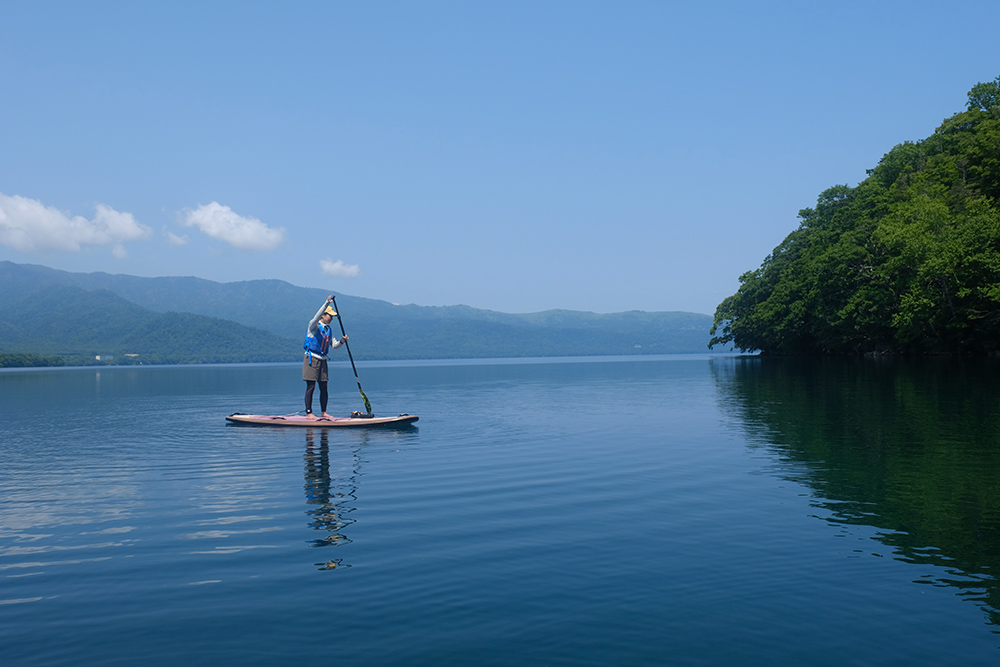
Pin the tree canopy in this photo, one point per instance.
(908, 261)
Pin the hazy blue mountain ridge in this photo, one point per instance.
(78, 325)
(269, 318)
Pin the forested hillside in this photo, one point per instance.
(79, 327)
(190, 320)
(908, 261)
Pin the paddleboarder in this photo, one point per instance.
(319, 341)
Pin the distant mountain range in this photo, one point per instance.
(79, 316)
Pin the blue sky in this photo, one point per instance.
(515, 156)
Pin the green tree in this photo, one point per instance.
(985, 96)
(906, 261)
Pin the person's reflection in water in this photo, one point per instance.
(331, 497)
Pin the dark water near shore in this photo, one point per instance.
(677, 510)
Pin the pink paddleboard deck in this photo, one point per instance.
(302, 420)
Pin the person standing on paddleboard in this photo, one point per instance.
(319, 340)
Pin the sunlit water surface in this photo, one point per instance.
(688, 510)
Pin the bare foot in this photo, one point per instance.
(310, 415)
(326, 416)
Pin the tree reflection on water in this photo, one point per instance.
(910, 447)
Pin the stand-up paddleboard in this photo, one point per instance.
(322, 422)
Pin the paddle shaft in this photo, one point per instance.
(368, 406)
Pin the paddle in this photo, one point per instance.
(368, 406)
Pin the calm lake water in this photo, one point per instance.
(689, 510)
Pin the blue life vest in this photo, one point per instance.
(320, 343)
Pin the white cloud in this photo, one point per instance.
(28, 225)
(339, 269)
(174, 239)
(220, 222)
